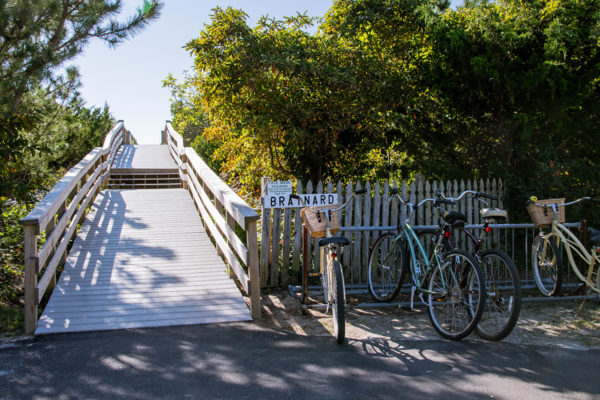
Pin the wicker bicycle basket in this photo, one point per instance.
(542, 216)
(316, 222)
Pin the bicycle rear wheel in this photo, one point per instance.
(546, 265)
(386, 267)
(338, 304)
(457, 297)
(503, 296)
(429, 238)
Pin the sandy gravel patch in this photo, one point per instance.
(564, 323)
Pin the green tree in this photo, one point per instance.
(313, 105)
(36, 38)
(522, 78)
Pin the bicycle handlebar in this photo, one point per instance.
(533, 200)
(395, 193)
(477, 195)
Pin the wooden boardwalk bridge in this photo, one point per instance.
(143, 255)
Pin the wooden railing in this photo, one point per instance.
(173, 139)
(222, 211)
(56, 217)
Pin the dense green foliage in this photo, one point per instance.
(386, 89)
(523, 78)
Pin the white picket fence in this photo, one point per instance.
(281, 252)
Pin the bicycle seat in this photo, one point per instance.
(342, 241)
(455, 219)
(594, 237)
(493, 213)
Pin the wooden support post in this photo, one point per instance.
(184, 163)
(265, 243)
(253, 270)
(31, 317)
(305, 239)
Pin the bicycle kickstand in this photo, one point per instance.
(423, 300)
(413, 289)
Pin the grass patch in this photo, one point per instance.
(11, 319)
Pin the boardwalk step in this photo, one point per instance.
(144, 180)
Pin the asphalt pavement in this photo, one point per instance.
(244, 361)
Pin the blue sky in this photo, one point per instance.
(129, 77)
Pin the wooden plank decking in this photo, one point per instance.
(136, 158)
(142, 259)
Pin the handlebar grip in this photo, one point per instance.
(360, 191)
(294, 196)
(487, 196)
(595, 199)
(445, 201)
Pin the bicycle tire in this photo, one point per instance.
(386, 268)
(338, 305)
(455, 309)
(547, 271)
(597, 277)
(503, 296)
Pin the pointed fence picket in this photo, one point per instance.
(281, 252)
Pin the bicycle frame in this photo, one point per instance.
(574, 245)
(412, 239)
(415, 245)
(412, 242)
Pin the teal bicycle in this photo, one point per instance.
(449, 283)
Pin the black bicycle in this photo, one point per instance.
(503, 285)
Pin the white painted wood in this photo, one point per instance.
(57, 258)
(154, 158)
(235, 206)
(52, 238)
(377, 211)
(147, 264)
(49, 205)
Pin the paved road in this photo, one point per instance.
(243, 361)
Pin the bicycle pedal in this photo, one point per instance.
(314, 274)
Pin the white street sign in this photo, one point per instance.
(279, 188)
(311, 200)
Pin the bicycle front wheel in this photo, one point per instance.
(456, 296)
(338, 304)
(503, 296)
(546, 265)
(386, 267)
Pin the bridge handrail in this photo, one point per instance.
(174, 140)
(58, 214)
(221, 209)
